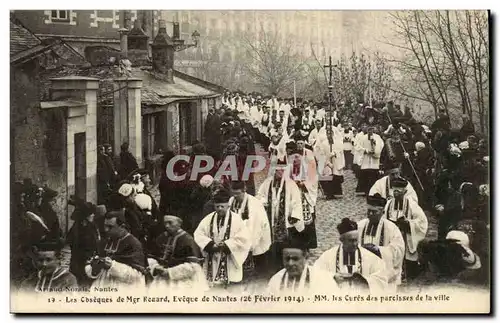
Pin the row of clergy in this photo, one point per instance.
(371, 253)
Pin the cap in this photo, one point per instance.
(222, 196)
(399, 182)
(298, 136)
(392, 167)
(119, 214)
(49, 245)
(376, 200)
(49, 194)
(347, 226)
(294, 243)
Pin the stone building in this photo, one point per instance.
(65, 101)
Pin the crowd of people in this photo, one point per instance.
(227, 233)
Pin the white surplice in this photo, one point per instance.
(293, 201)
(238, 243)
(364, 145)
(418, 224)
(357, 149)
(257, 224)
(371, 267)
(383, 186)
(392, 247)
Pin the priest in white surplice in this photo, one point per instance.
(383, 238)
(331, 159)
(254, 216)
(411, 220)
(371, 145)
(282, 200)
(384, 185)
(225, 241)
(352, 266)
(297, 277)
(305, 175)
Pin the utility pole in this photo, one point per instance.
(329, 125)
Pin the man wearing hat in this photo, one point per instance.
(254, 217)
(297, 277)
(411, 220)
(371, 146)
(121, 261)
(134, 217)
(305, 175)
(385, 185)
(178, 264)
(225, 241)
(264, 127)
(316, 132)
(383, 238)
(127, 161)
(51, 276)
(83, 238)
(48, 214)
(282, 200)
(306, 124)
(352, 266)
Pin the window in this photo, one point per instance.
(185, 124)
(151, 134)
(60, 15)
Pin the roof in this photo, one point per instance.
(157, 92)
(21, 39)
(154, 91)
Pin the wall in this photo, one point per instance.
(32, 143)
(83, 23)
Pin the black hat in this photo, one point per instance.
(138, 171)
(399, 182)
(48, 194)
(222, 196)
(49, 245)
(118, 214)
(83, 211)
(291, 145)
(294, 243)
(376, 200)
(392, 166)
(346, 226)
(298, 136)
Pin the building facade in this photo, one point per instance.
(70, 93)
(332, 33)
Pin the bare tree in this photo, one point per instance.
(272, 62)
(446, 60)
(357, 77)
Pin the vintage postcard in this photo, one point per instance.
(286, 161)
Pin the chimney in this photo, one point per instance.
(177, 33)
(124, 41)
(163, 53)
(138, 51)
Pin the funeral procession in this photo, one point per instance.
(262, 153)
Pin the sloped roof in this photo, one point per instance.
(21, 39)
(157, 92)
(154, 91)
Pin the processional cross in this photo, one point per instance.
(329, 131)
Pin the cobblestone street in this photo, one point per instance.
(328, 212)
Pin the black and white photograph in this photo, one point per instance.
(250, 161)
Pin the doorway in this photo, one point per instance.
(80, 165)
